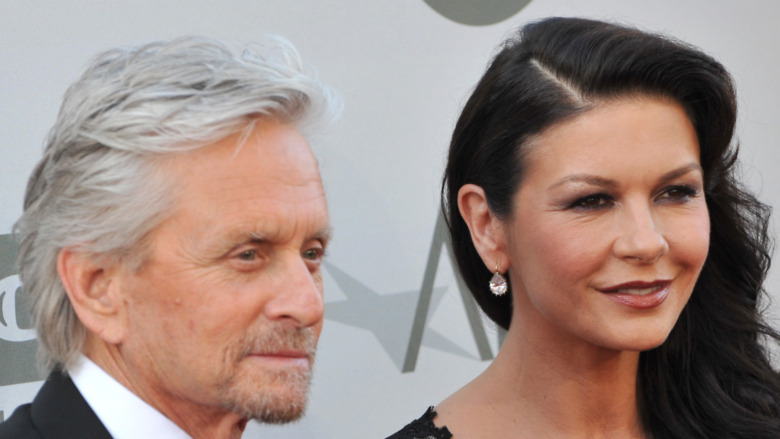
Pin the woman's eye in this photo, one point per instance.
(679, 193)
(595, 201)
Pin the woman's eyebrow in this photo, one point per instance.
(593, 180)
(679, 172)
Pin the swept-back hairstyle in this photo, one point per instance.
(97, 187)
(712, 377)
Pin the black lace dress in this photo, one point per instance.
(423, 428)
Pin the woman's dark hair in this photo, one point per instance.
(712, 378)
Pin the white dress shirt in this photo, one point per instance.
(125, 415)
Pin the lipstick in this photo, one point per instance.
(641, 295)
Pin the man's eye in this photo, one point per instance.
(312, 254)
(248, 255)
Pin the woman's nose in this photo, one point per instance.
(640, 238)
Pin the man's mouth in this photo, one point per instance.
(284, 358)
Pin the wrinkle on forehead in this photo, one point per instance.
(270, 187)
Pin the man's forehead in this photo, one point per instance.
(271, 161)
(265, 187)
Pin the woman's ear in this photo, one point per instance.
(487, 231)
(94, 295)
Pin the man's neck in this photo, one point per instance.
(118, 409)
(196, 420)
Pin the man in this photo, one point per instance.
(171, 245)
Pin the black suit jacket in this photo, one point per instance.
(57, 412)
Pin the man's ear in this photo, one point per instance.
(93, 292)
(487, 231)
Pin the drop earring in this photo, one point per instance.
(498, 284)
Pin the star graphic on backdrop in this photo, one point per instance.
(387, 316)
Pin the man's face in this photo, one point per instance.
(225, 312)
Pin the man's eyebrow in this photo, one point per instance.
(237, 238)
(252, 237)
(324, 234)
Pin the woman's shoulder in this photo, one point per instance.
(423, 428)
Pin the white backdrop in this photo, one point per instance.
(404, 70)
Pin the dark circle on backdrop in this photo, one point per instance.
(477, 12)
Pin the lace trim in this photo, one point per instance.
(423, 428)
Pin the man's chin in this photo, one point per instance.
(270, 381)
(277, 401)
(282, 417)
(271, 409)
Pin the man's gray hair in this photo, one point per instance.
(97, 188)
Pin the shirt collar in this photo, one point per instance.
(125, 415)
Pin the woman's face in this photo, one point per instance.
(610, 228)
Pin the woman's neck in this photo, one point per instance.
(539, 388)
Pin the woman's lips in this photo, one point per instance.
(639, 294)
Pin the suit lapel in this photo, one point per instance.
(59, 411)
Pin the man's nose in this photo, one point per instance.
(640, 237)
(299, 296)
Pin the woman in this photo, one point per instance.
(595, 214)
